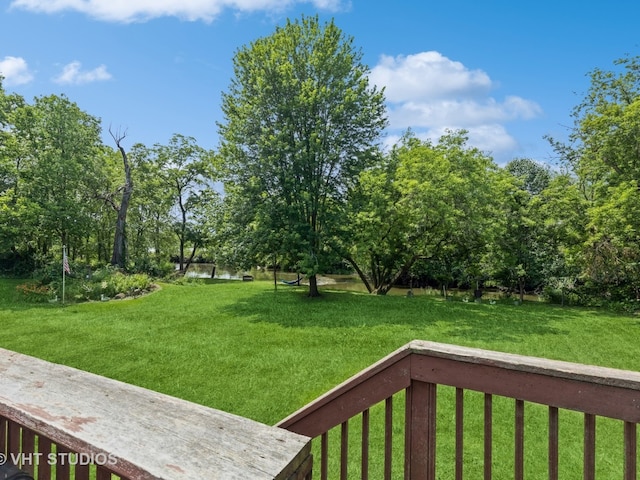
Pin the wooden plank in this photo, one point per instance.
(595, 398)
(555, 368)
(140, 433)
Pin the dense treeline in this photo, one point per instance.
(300, 181)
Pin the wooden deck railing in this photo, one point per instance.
(59, 422)
(417, 370)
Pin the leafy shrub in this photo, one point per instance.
(35, 292)
(153, 268)
(106, 282)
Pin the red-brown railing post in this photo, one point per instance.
(553, 443)
(459, 433)
(488, 436)
(519, 440)
(421, 431)
(589, 446)
(630, 443)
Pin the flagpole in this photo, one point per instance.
(64, 258)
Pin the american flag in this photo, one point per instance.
(65, 263)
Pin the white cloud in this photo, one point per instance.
(72, 74)
(431, 94)
(427, 75)
(15, 71)
(141, 10)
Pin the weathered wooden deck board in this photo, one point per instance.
(147, 434)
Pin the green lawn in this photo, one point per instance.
(243, 348)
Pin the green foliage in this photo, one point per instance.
(152, 267)
(300, 124)
(33, 292)
(422, 203)
(605, 157)
(109, 282)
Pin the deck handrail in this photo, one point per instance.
(419, 366)
(135, 433)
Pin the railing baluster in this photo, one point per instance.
(365, 445)
(459, 433)
(13, 440)
(407, 433)
(82, 471)
(344, 450)
(589, 446)
(388, 437)
(324, 456)
(28, 450)
(44, 448)
(102, 473)
(553, 443)
(519, 440)
(63, 472)
(488, 435)
(630, 448)
(3, 435)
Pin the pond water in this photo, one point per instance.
(204, 270)
(341, 282)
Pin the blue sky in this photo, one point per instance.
(508, 72)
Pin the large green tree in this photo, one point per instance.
(519, 254)
(427, 203)
(173, 178)
(300, 122)
(55, 151)
(604, 154)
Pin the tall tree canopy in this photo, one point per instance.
(605, 156)
(423, 202)
(56, 169)
(300, 123)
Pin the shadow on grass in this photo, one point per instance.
(291, 308)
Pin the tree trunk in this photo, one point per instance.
(183, 226)
(361, 274)
(521, 286)
(190, 259)
(313, 286)
(384, 287)
(118, 257)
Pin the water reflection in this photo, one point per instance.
(341, 282)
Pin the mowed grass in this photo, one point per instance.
(247, 349)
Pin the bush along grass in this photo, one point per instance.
(104, 284)
(33, 292)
